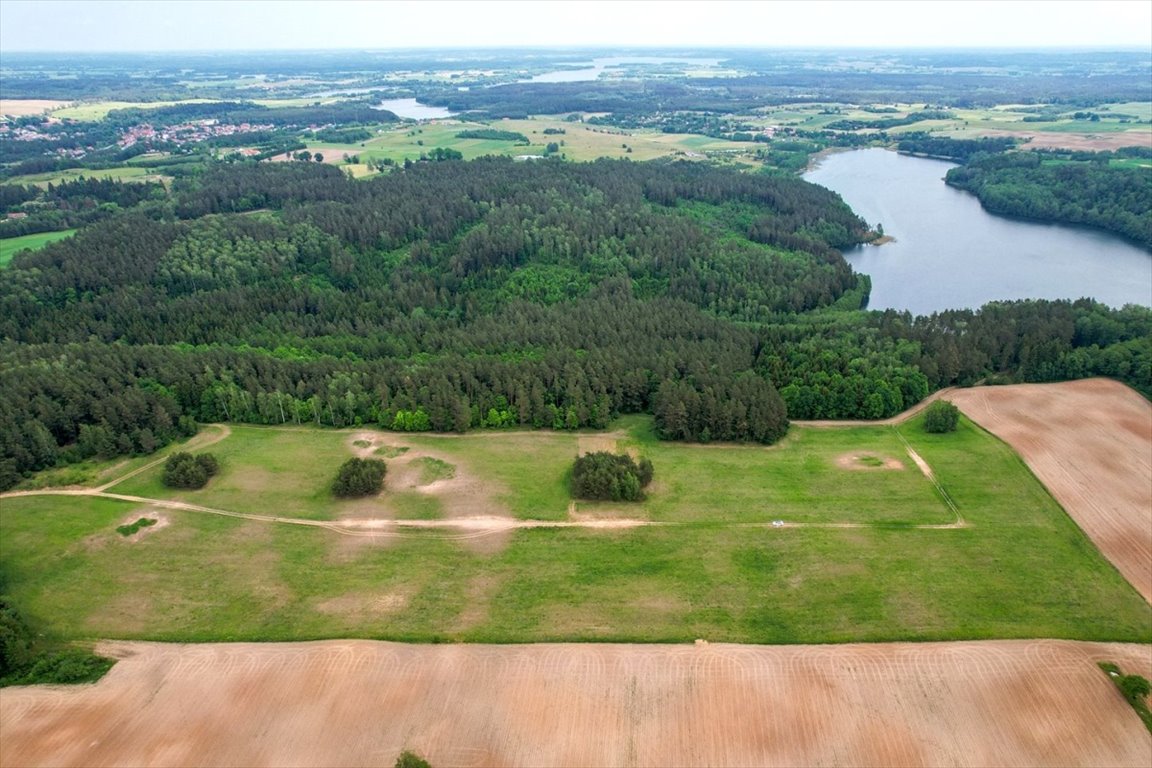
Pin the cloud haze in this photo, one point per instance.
(117, 25)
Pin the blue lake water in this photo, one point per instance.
(949, 253)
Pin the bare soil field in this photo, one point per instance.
(1080, 142)
(25, 107)
(1090, 443)
(1019, 703)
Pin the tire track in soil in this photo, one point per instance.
(1020, 702)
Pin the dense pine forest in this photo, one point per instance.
(1075, 188)
(488, 294)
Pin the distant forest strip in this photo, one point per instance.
(1069, 188)
(490, 294)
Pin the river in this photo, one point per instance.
(949, 253)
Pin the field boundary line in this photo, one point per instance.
(926, 470)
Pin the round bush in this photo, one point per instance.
(183, 470)
(359, 477)
(941, 416)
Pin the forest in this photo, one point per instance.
(1072, 188)
(490, 294)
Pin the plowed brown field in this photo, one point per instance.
(1090, 443)
(1039, 703)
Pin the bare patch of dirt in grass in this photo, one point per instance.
(478, 601)
(488, 543)
(344, 550)
(366, 444)
(367, 508)
(162, 521)
(867, 461)
(583, 512)
(463, 494)
(254, 480)
(359, 605)
(596, 444)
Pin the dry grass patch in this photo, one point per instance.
(867, 461)
(360, 605)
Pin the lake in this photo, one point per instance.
(598, 65)
(413, 110)
(949, 253)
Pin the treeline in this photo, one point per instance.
(884, 123)
(493, 134)
(959, 150)
(492, 294)
(237, 112)
(795, 82)
(1069, 191)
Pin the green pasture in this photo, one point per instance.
(98, 110)
(10, 246)
(580, 141)
(285, 472)
(121, 173)
(715, 569)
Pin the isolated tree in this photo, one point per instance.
(942, 416)
(359, 477)
(183, 470)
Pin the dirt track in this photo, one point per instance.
(361, 703)
(1090, 443)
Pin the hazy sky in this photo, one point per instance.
(158, 25)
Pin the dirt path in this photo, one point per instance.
(1020, 703)
(196, 443)
(1090, 443)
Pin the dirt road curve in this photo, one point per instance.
(360, 703)
(1090, 443)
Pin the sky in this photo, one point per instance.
(174, 25)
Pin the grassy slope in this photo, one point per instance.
(1022, 569)
(9, 246)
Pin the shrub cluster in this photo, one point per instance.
(25, 658)
(941, 416)
(183, 470)
(128, 530)
(359, 477)
(604, 476)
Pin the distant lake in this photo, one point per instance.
(949, 253)
(413, 109)
(599, 65)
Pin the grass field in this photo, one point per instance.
(581, 142)
(973, 123)
(715, 568)
(123, 173)
(9, 246)
(98, 110)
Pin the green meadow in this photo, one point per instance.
(854, 562)
(10, 246)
